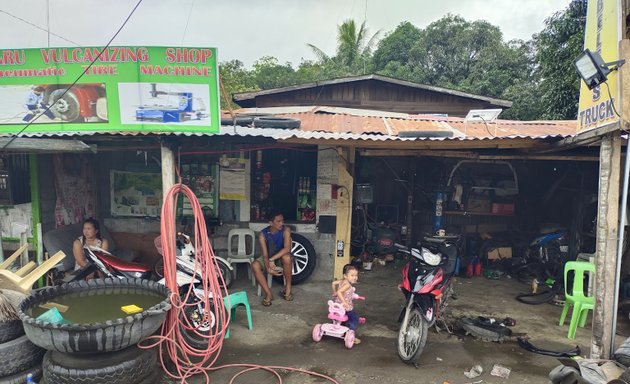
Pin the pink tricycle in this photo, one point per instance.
(337, 313)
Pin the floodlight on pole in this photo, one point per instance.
(592, 69)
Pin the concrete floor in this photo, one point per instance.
(282, 336)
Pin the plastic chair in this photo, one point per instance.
(24, 284)
(243, 253)
(232, 302)
(7, 263)
(581, 303)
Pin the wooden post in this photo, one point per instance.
(344, 210)
(607, 232)
(168, 168)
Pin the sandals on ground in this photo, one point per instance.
(266, 302)
(288, 297)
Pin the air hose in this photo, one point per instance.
(186, 360)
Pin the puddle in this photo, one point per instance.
(85, 309)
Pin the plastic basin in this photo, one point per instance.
(113, 332)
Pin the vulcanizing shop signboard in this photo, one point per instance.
(602, 34)
(157, 89)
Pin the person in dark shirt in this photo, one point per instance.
(275, 245)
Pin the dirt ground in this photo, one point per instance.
(282, 336)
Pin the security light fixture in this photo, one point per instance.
(592, 69)
(482, 115)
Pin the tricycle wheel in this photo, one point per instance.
(317, 333)
(349, 339)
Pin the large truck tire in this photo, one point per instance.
(130, 365)
(18, 355)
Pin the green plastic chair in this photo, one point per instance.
(234, 300)
(576, 298)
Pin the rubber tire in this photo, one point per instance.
(304, 260)
(191, 338)
(130, 365)
(112, 335)
(226, 273)
(10, 330)
(348, 339)
(317, 333)
(20, 377)
(70, 102)
(19, 355)
(424, 329)
(243, 119)
(277, 122)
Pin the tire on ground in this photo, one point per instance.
(18, 355)
(20, 377)
(10, 330)
(130, 365)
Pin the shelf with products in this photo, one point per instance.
(306, 200)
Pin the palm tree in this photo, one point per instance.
(353, 47)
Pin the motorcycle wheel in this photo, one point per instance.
(413, 338)
(224, 270)
(203, 323)
(304, 259)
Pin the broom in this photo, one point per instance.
(9, 301)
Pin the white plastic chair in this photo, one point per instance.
(243, 253)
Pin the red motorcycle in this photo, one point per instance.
(427, 286)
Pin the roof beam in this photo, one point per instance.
(471, 155)
(422, 144)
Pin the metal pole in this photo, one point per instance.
(622, 224)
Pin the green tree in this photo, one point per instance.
(394, 48)
(268, 73)
(354, 50)
(557, 45)
(234, 78)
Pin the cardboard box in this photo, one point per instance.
(500, 253)
(476, 204)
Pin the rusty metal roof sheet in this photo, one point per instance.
(348, 124)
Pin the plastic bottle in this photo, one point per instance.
(29, 379)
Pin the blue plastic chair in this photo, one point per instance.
(234, 300)
(576, 297)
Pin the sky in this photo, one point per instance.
(246, 29)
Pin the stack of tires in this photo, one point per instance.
(18, 356)
(128, 366)
(97, 352)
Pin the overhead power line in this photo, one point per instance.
(38, 27)
(79, 77)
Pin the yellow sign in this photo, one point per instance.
(597, 106)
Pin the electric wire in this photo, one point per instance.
(77, 79)
(612, 101)
(38, 27)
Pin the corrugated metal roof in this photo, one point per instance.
(346, 120)
(331, 123)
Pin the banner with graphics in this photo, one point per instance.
(602, 34)
(156, 89)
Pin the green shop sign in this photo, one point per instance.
(150, 89)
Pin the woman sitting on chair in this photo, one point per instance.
(91, 238)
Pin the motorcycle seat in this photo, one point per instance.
(125, 266)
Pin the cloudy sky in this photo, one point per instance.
(246, 29)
